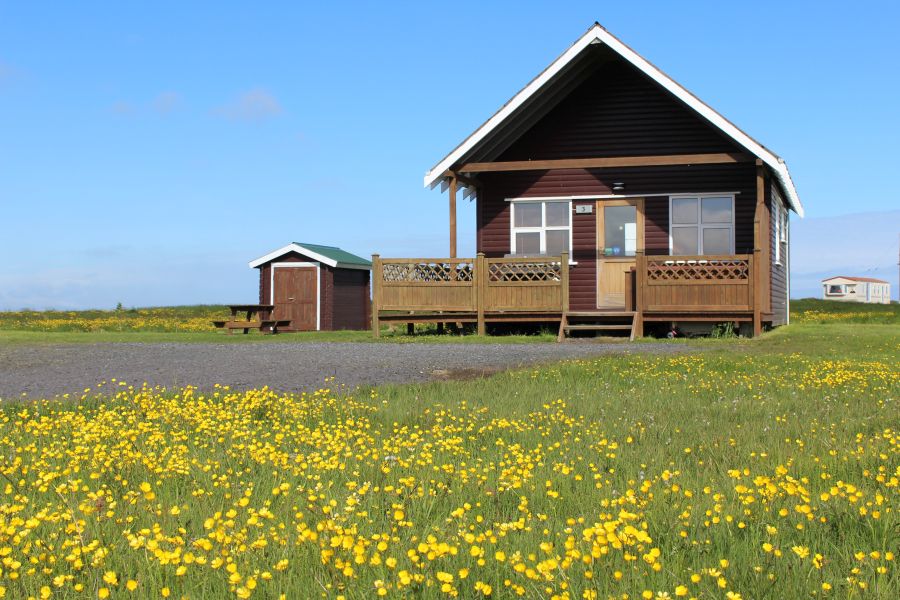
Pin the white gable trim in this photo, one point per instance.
(598, 34)
(292, 247)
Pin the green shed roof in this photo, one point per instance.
(329, 255)
(336, 254)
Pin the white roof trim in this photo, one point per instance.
(292, 247)
(593, 35)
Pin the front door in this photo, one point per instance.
(620, 232)
(294, 297)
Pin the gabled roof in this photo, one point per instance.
(863, 279)
(598, 35)
(329, 255)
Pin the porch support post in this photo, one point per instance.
(453, 216)
(564, 281)
(376, 294)
(640, 270)
(480, 281)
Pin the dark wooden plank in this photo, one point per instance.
(606, 162)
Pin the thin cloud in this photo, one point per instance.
(166, 102)
(8, 73)
(123, 108)
(253, 105)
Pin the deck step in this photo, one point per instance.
(601, 314)
(620, 327)
(598, 320)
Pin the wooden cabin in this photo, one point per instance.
(315, 287)
(608, 196)
(857, 289)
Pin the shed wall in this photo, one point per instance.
(350, 299)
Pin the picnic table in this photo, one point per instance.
(257, 316)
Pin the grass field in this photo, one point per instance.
(762, 468)
(194, 324)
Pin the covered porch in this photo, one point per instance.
(484, 290)
(650, 286)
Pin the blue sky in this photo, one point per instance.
(150, 150)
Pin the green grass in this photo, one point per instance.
(812, 310)
(16, 337)
(192, 324)
(711, 455)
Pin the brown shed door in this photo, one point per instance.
(295, 297)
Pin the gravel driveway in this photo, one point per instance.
(44, 371)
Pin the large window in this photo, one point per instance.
(701, 225)
(541, 228)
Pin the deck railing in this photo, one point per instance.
(706, 284)
(469, 286)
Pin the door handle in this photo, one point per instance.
(291, 299)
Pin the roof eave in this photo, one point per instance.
(598, 33)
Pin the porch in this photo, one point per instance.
(484, 290)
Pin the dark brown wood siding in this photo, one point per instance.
(326, 310)
(779, 272)
(265, 292)
(618, 111)
(350, 299)
(656, 225)
(493, 214)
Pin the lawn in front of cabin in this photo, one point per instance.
(765, 468)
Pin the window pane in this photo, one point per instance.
(684, 210)
(557, 214)
(716, 210)
(528, 243)
(527, 214)
(716, 240)
(557, 241)
(619, 230)
(684, 241)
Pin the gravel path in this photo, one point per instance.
(44, 371)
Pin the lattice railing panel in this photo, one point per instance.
(524, 272)
(712, 270)
(430, 272)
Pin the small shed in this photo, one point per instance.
(316, 287)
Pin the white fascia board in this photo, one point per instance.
(597, 33)
(434, 175)
(292, 248)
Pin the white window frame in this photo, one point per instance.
(781, 216)
(700, 226)
(299, 265)
(543, 229)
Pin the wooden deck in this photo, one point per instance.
(484, 290)
(474, 290)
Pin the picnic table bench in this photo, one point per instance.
(257, 317)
